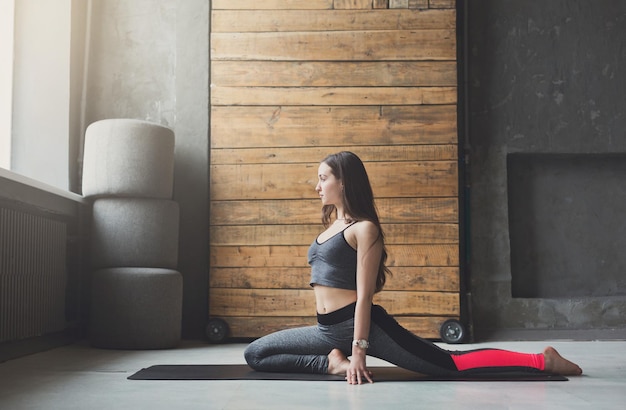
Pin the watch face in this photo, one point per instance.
(363, 344)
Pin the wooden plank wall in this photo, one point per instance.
(295, 80)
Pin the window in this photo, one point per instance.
(35, 64)
(6, 80)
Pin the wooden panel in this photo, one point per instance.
(271, 4)
(333, 73)
(418, 303)
(265, 211)
(418, 4)
(296, 302)
(424, 233)
(253, 326)
(296, 256)
(352, 4)
(269, 181)
(242, 21)
(380, 4)
(255, 256)
(261, 278)
(297, 181)
(423, 255)
(302, 234)
(392, 210)
(263, 235)
(437, 279)
(421, 278)
(426, 327)
(398, 4)
(397, 153)
(247, 127)
(332, 95)
(294, 80)
(415, 210)
(336, 45)
(261, 302)
(442, 4)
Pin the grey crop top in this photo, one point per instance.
(333, 262)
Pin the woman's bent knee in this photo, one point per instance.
(252, 357)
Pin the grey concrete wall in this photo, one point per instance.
(543, 77)
(149, 60)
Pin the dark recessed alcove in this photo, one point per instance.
(567, 224)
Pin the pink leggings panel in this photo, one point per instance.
(497, 358)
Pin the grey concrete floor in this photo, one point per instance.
(80, 377)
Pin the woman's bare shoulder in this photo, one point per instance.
(366, 232)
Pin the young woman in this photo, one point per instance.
(347, 268)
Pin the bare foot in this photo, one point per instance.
(557, 364)
(337, 362)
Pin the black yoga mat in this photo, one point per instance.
(381, 374)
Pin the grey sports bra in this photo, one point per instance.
(333, 262)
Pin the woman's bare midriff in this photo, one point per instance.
(329, 299)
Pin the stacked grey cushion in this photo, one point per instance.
(136, 308)
(137, 232)
(128, 158)
(136, 292)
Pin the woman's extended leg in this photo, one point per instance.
(390, 341)
(493, 359)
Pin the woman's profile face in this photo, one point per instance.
(328, 186)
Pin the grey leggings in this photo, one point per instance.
(305, 350)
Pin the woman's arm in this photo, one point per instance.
(369, 251)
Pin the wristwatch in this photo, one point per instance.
(362, 343)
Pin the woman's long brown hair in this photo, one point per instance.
(358, 200)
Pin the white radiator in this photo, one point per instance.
(33, 274)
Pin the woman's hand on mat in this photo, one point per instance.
(357, 371)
